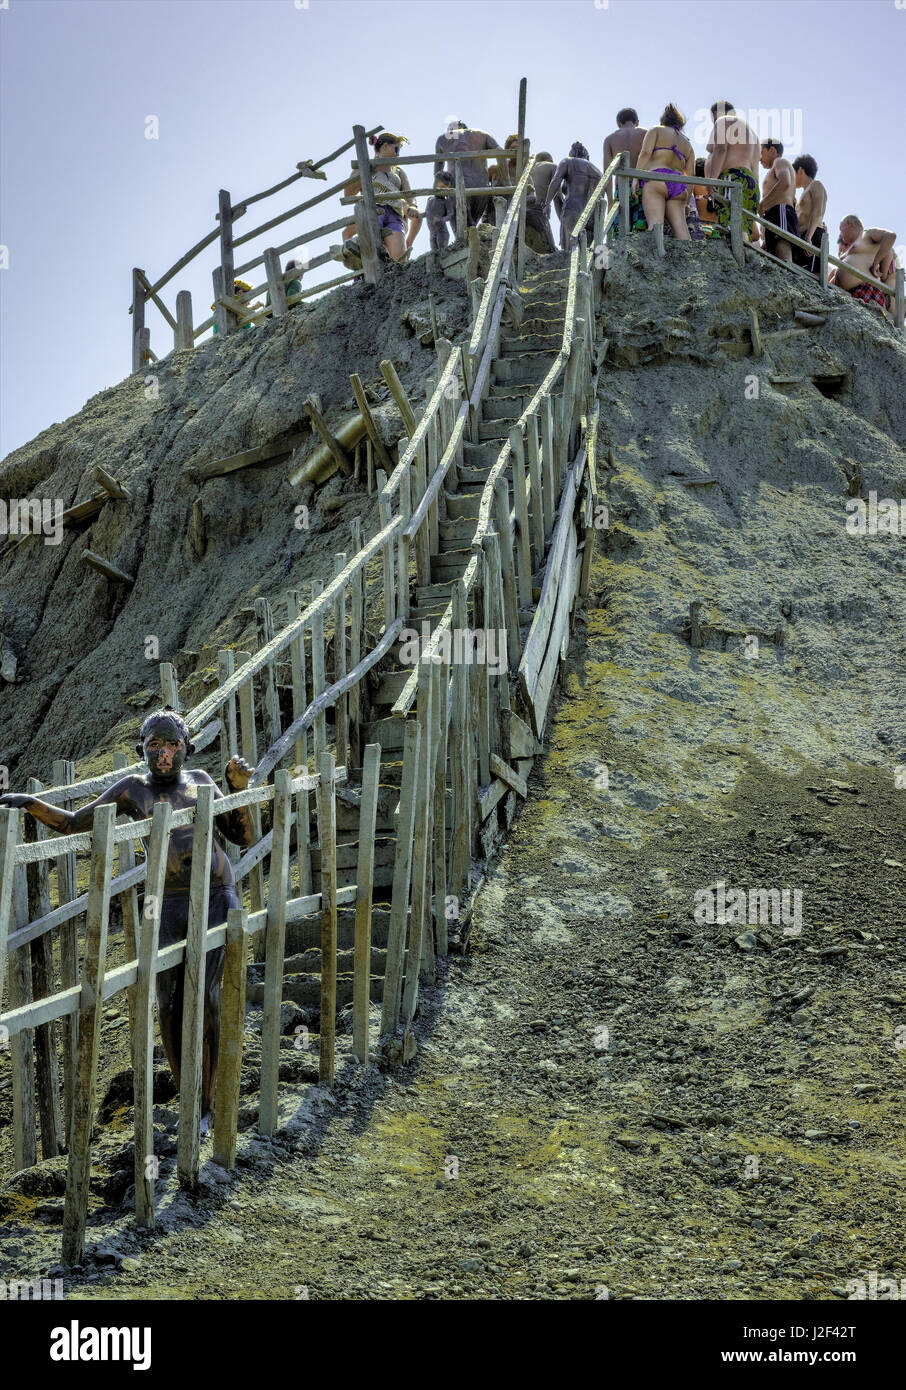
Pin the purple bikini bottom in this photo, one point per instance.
(674, 190)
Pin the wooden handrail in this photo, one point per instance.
(598, 192)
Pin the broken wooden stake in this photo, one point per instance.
(757, 344)
(217, 467)
(398, 392)
(506, 774)
(84, 511)
(695, 628)
(104, 567)
(343, 461)
(371, 428)
(109, 483)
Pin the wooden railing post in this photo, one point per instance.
(366, 217)
(274, 953)
(387, 551)
(191, 1052)
(22, 1044)
(520, 165)
(264, 621)
(419, 915)
(184, 336)
(249, 750)
(402, 575)
(737, 245)
(462, 220)
(63, 775)
(822, 262)
(440, 817)
(402, 873)
(461, 752)
(899, 298)
(138, 319)
(520, 502)
(128, 903)
(232, 1023)
(361, 989)
(143, 1037)
(225, 318)
(91, 1003)
(328, 816)
(300, 703)
(507, 568)
(539, 501)
(623, 185)
(341, 707)
(42, 975)
(276, 285)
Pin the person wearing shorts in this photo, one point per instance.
(391, 190)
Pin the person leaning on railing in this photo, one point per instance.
(240, 288)
(870, 251)
(391, 190)
(660, 199)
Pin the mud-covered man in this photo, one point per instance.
(574, 177)
(458, 138)
(165, 744)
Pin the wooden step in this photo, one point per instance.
(449, 565)
(390, 687)
(513, 346)
(480, 455)
(519, 370)
(451, 532)
(302, 935)
(502, 403)
(461, 504)
(389, 733)
(497, 429)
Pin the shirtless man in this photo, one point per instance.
(733, 149)
(629, 135)
(850, 231)
(778, 199)
(574, 177)
(165, 745)
(459, 138)
(810, 210)
(871, 251)
(536, 216)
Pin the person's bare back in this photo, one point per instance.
(629, 135)
(733, 145)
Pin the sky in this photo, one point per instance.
(243, 89)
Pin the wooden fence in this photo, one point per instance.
(232, 311)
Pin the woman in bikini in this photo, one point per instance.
(391, 190)
(677, 157)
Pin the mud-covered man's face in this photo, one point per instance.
(165, 750)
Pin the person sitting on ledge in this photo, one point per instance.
(870, 251)
(660, 199)
(165, 743)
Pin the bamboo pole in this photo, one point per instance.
(191, 1053)
(275, 951)
(78, 1174)
(143, 1027)
(328, 828)
(361, 991)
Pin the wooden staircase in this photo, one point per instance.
(527, 351)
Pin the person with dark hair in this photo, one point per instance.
(629, 135)
(667, 199)
(778, 199)
(574, 177)
(733, 155)
(391, 187)
(440, 210)
(809, 210)
(290, 286)
(165, 743)
(707, 213)
(458, 138)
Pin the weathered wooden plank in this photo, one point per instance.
(341, 706)
(461, 758)
(22, 1045)
(440, 822)
(371, 428)
(507, 567)
(328, 835)
(371, 776)
(343, 461)
(398, 392)
(402, 871)
(42, 978)
(64, 771)
(504, 771)
(105, 568)
(264, 620)
(232, 1023)
(366, 212)
(275, 450)
(143, 1026)
(78, 1174)
(274, 952)
(424, 800)
(191, 1056)
(300, 700)
(249, 751)
(523, 544)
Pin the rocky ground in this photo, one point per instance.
(614, 1097)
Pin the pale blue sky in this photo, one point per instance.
(245, 88)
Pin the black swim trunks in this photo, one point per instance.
(782, 215)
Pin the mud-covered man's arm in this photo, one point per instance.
(236, 825)
(121, 795)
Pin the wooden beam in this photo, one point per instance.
(83, 511)
(512, 779)
(108, 482)
(398, 392)
(105, 568)
(366, 213)
(344, 463)
(371, 428)
(277, 449)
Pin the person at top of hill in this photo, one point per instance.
(665, 150)
(778, 200)
(536, 216)
(458, 138)
(441, 209)
(733, 149)
(392, 197)
(810, 209)
(291, 287)
(241, 287)
(574, 177)
(165, 743)
(630, 136)
(850, 230)
(871, 251)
